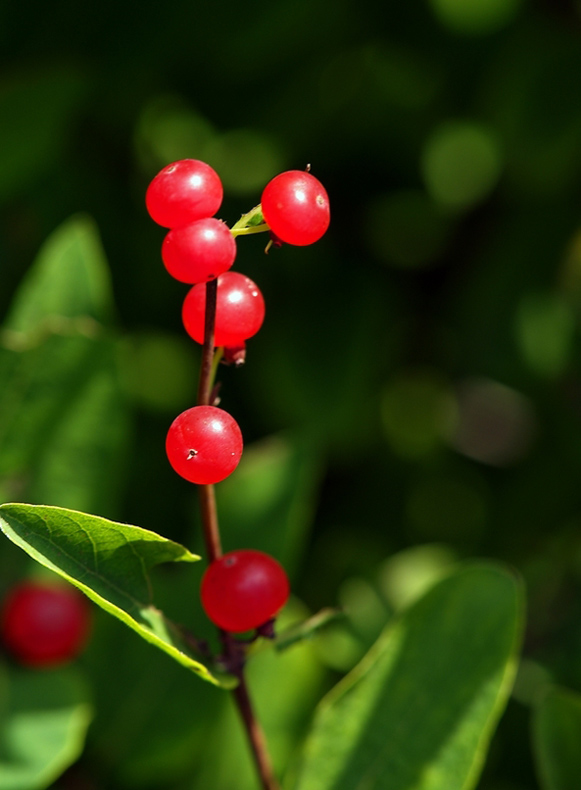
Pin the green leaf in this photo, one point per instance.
(419, 710)
(109, 562)
(37, 386)
(306, 629)
(43, 720)
(556, 730)
(63, 422)
(68, 284)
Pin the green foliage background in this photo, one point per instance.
(413, 396)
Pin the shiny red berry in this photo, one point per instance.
(44, 624)
(239, 310)
(243, 590)
(200, 251)
(204, 444)
(296, 207)
(184, 192)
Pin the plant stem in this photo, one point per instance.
(262, 228)
(207, 495)
(210, 522)
(255, 736)
(212, 541)
(205, 383)
(251, 222)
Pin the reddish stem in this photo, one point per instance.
(205, 382)
(255, 736)
(210, 522)
(211, 532)
(207, 495)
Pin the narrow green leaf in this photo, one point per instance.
(69, 281)
(63, 421)
(556, 730)
(43, 721)
(109, 562)
(419, 710)
(307, 628)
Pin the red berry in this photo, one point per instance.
(204, 444)
(239, 310)
(44, 624)
(184, 192)
(243, 590)
(199, 252)
(296, 206)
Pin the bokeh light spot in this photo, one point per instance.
(496, 424)
(570, 275)
(160, 370)
(461, 164)
(363, 606)
(245, 159)
(544, 329)
(169, 130)
(337, 648)
(475, 16)
(418, 410)
(410, 573)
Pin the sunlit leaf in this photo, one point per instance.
(420, 708)
(68, 283)
(110, 563)
(43, 720)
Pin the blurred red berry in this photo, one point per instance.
(44, 624)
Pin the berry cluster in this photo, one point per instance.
(244, 589)
(44, 624)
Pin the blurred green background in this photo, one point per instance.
(417, 377)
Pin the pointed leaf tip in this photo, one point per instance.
(110, 563)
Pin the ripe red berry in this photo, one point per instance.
(204, 444)
(184, 192)
(200, 251)
(44, 623)
(243, 590)
(239, 310)
(296, 206)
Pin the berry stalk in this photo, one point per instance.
(206, 372)
(255, 736)
(206, 492)
(211, 532)
(245, 589)
(251, 222)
